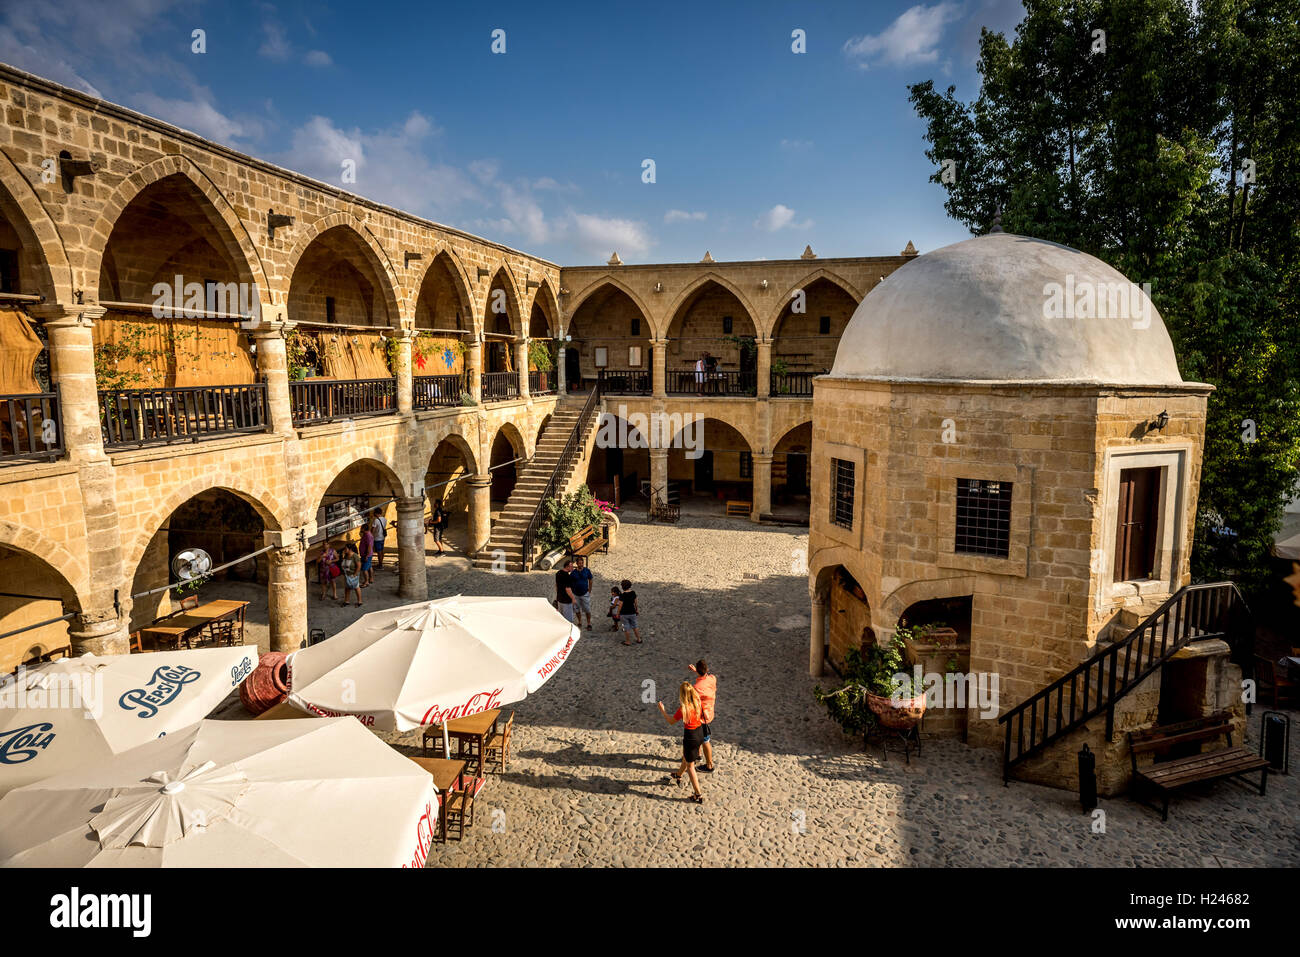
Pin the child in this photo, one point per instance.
(614, 605)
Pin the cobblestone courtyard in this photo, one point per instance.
(587, 780)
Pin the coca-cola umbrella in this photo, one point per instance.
(433, 661)
(67, 713)
(230, 794)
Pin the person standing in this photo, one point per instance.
(688, 713)
(627, 612)
(614, 606)
(581, 584)
(699, 374)
(327, 571)
(438, 520)
(351, 566)
(706, 686)
(367, 555)
(564, 599)
(379, 529)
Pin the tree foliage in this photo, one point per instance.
(1164, 139)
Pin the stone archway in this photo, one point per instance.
(42, 261)
(608, 324)
(712, 318)
(35, 590)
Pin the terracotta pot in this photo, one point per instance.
(897, 716)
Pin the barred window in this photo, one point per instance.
(824, 325)
(746, 465)
(842, 493)
(983, 517)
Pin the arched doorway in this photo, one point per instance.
(445, 482)
(790, 474)
(620, 460)
(940, 630)
(542, 351)
(712, 322)
(609, 333)
(361, 490)
(507, 447)
(33, 592)
(711, 463)
(849, 621)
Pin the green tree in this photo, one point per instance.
(1164, 140)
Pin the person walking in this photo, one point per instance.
(689, 714)
(706, 686)
(379, 529)
(438, 521)
(564, 599)
(351, 566)
(581, 585)
(627, 612)
(367, 556)
(327, 571)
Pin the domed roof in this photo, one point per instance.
(1007, 307)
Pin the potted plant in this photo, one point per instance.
(872, 696)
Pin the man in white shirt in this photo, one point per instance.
(379, 528)
(699, 375)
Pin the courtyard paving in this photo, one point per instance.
(587, 782)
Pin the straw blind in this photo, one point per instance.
(178, 352)
(19, 348)
(353, 355)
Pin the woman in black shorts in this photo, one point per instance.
(690, 714)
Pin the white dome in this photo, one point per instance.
(1006, 307)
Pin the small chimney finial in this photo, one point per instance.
(997, 221)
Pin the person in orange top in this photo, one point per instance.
(706, 685)
(690, 714)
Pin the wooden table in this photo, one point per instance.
(475, 728)
(179, 628)
(448, 776)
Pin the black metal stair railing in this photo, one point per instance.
(1193, 613)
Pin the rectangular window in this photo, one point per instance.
(1138, 516)
(746, 465)
(726, 325)
(8, 270)
(842, 493)
(824, 325)
(329, 308)
(983, 517)
(636, 325)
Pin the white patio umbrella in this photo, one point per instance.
(1287, 542)
(433, 662)
(230, 794)
(68, 713)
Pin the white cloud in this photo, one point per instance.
(682, 216)
(780, 217)
(912, 38)
(275, 46)
(318, 58)
(198, 115)
(796, 144)
(600, 234)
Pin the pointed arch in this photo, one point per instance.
(71, 572)
(374, 456)
(234, 236)
(769, 330)
(24, 209)
(595, 286)
(446, 257)
(550, 305)
(514, 304)
(700, 282)
(374, 253)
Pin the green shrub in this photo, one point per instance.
(565, 517)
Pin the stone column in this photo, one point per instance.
(273, 366)
(560, 386)
(405, 385)
(413, 583)
(103, 623)
(762, 486)
(474, 368)
(817, 635)
(480, 512)
(658, 368)
(764, 370)
(286, 591)
(521, 362)
(659, 475)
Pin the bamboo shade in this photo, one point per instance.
(177, 352)
(435, 360)
(19, 347)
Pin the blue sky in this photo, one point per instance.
(757, 150)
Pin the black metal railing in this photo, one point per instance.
(713, 383)
(793, 383)
(30, 426)
(541, 383)
(334, 399)
(437, 391)
(572, 448)
(500, 385)
(1193, 613)
(131, 418)
(626, 382)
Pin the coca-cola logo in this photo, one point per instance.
(423, 837)
(477, 704)
(555, 660)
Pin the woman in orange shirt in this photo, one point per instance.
(691, 715)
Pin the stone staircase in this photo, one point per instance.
(506, 541)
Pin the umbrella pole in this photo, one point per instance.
(446, 745)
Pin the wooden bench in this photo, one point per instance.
(1168, 776)
(587, 541)
(735, 507)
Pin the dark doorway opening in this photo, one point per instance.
(704, 472)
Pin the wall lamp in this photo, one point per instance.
(1159, 422)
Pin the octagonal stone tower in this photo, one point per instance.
(1004, 444)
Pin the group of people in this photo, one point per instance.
(573, 584)
(695, 710)
(355, 564)
(706, 367)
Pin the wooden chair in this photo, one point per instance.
(499, 744)
(137, 643)
(189, 601)
(222, 633)
(1271, 676)
(458, 807)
